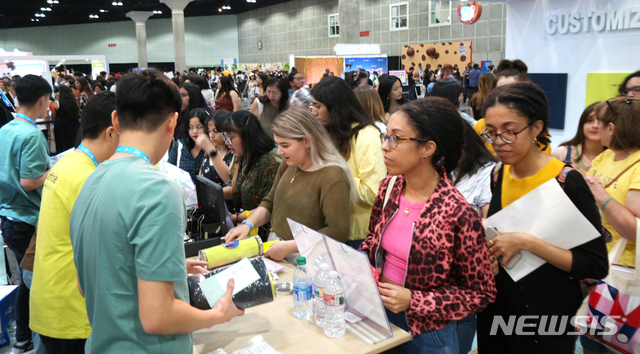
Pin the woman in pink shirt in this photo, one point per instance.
(427, 241)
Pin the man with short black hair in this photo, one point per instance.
(412, 84)
(24, 165)
(296, 81)
(126, 229)
(58, 311)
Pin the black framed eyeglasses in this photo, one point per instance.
(628, 101)
(394, 140)
(508, 136)
(635, 89)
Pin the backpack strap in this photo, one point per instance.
(567, 159)
(392, 181)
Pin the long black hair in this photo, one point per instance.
(623, 86)
(67, 102)
(226, 85)
(255, 142)
(474, 155)
(196, 100)
(386, 84)
(264, 79)
(283, 87)
(200, 113)
(218, 119)
(437, 119)
(344, 110)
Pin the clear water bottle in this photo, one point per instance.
(334, 307)
(321, 280)
(302, 290)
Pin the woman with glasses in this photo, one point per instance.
(253, 172)
(312, 187)
(358, 141)
(426, 241)
(186, 152)
(517, 117)
(630, 87)
(275, 100)
(614, 179)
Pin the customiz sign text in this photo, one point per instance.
(613, 20)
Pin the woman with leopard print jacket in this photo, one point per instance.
(427, 241)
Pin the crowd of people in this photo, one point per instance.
(407, 181)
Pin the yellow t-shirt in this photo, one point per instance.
(57, 308)
(481, 125)
(366, 164)
(513, 189)
(604, 168)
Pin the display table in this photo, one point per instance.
(286, 334)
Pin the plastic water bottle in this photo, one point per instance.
(302, 290)
(321, 280)
(334, 307)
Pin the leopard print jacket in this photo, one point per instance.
(449, 271)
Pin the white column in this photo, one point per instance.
(349, 21)
(177, 19)
(140, 18)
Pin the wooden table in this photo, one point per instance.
(285, 333)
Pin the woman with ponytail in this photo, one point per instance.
(426, 240)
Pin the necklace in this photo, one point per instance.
(406, 207)
(296, 174)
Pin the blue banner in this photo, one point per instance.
(378, 64)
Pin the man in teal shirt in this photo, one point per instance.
(24, 165)
(126, 230)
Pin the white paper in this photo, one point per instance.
(215, 286)
(260, 348)
(548, 214)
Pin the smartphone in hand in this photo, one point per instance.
(491, 232)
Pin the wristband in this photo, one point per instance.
(248, 224)
(605, 203)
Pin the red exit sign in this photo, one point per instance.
(364, 33)
(112, 45)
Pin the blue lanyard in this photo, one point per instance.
(25, 117)
(88, 153)
(133, 151)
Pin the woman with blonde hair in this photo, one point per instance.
(372, 104)
(486, 82)
(314, 186)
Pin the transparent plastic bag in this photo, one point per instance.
(260, 292)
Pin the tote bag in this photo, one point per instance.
(612, 310)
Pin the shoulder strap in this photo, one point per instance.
(621, 173)
(567, 159)
(179, 153)
(392, 181)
